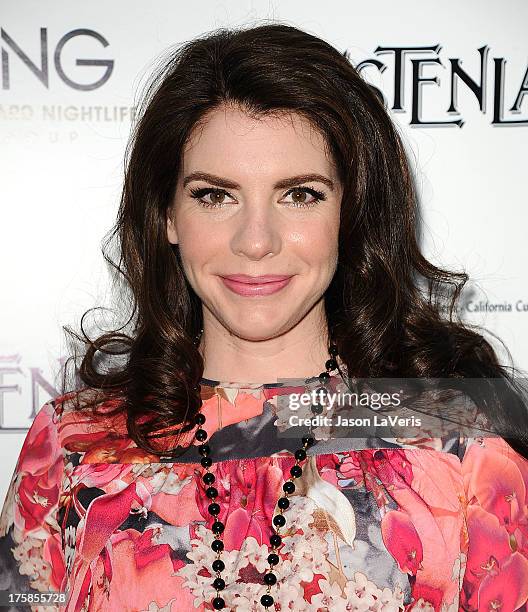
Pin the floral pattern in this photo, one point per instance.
(374, 524)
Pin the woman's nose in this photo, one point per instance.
(257, 232)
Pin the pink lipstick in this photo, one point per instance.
(248, 286)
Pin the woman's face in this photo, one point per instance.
(257, 212)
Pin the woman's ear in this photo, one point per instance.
(171, 230)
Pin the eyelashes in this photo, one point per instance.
(198, 193)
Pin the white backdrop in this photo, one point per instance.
(64, 126)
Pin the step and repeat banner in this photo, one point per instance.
(454, 76)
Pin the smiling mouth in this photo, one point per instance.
(255, 285)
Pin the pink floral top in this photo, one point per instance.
(374, 524)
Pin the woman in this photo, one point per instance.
(161, 484)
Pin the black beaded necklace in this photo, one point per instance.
(283, 503)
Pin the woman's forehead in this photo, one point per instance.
(231, 142)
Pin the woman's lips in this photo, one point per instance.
(255, 286)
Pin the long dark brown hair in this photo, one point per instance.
(391, 312)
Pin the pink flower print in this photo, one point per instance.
(247, 496)
(495, 482)
(402, 541)
(489, 544)
(330, 597)
(38, 495)
(506, 588)
(492, 565)
(106, 476)
(137, 563)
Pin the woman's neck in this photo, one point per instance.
(299, 353)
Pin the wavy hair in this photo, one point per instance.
(391, 312)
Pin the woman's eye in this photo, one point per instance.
(217, 196)
(300, 198)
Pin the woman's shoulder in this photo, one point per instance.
(492, 459)
(87, 423)
(92, 427)
(84, 400)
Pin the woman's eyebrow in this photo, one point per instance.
(282, 184)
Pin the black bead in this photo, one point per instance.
(300, 454)
(332, 349)
(283, 503)
(275, 540)
(317, 408)
(211, 492)
(219, 584)
(331, 364)
(324, 377)
(200, 435)
(218, 565)
(270, 578)
(288, 487)
(208, 478)
(273, 559)
(217, 527)
(296, 471)
(279, 520)
(214, 509)
(204, 450)
(308, 440)
(217, 545)
(199, 419)
(206, 462)
(266, 600)
(218, 603)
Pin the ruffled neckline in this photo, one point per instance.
(230, 384)
(209, 382)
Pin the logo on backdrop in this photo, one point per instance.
(489, 93)
(12, 374)
(41, 71)
(478, 85)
